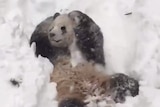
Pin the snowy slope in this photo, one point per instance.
(132, 46)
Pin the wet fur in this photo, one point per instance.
(79, 81)
(84, 81)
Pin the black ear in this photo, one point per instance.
(55, 15)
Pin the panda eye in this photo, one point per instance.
(63, 28)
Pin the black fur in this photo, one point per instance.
(72, 102)
(90, 38)
(122, 86)
(43, 46)
(55, 15)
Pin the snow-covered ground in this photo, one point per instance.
(132, 46)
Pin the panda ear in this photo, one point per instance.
(55, 15)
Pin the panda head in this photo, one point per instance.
(61, 31)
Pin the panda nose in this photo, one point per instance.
(51, 35)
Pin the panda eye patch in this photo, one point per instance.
(63, 28)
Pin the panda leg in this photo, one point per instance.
(71, 102)
(122, 86)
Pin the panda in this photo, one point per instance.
(69, 35)
(80, 85)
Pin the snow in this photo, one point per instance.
(132, 46)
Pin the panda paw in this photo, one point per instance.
(71, 102)
(122, 86)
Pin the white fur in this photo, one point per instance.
(76, 54)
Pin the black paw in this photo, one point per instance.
(122, 86)
(71, 102)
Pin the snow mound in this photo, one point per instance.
(19, 63)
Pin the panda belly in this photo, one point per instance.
(76, 54)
